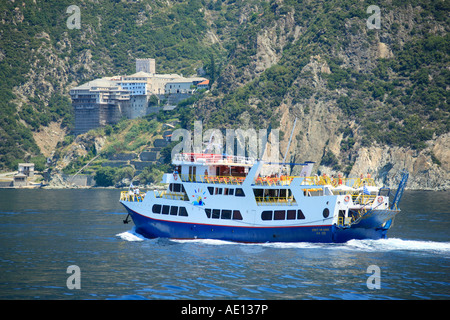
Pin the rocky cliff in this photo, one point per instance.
(367, 100)
(349, 120)
(321, 128)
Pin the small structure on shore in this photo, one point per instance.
(26, 169)
(20, 180)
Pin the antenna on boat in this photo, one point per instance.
(400, 189)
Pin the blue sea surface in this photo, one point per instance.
(43, 232)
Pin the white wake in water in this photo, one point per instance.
(395, 244)
(381, 245)
(212, 242)
(131, 235)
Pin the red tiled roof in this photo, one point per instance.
(206, 82)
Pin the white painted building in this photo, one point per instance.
(183, 85)
(106, 100)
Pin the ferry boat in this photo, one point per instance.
(211, 196)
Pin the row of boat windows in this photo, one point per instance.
(237, 192)
(230, 214)
(223, 214)
(170, 210)
(282, 215)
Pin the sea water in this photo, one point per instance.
(45, 232)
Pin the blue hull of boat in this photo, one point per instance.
(156, 228)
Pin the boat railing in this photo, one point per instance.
(274, 181)
(353, 218)
(131, 197)
(213, 159)
(314, 181)
(349, 182)
(344, 221)
(267, 201)
(228, 180)
(363, 199)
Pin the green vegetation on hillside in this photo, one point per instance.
(403, 100)
(112, 35)
(396, 100)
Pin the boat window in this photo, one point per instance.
(266, 215)
(326, 213)
(156, 208)
(218, 191)
(237, 215)
(300, 214)
(279, 215)
(226, 214)
(176, 187)
(291, 214)
(259, 193)
(183, 212)
(165, 209)
(211, 190)
(208, 213)
(230, 192)
(173, 211)
(216, 214)
(239, 192)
